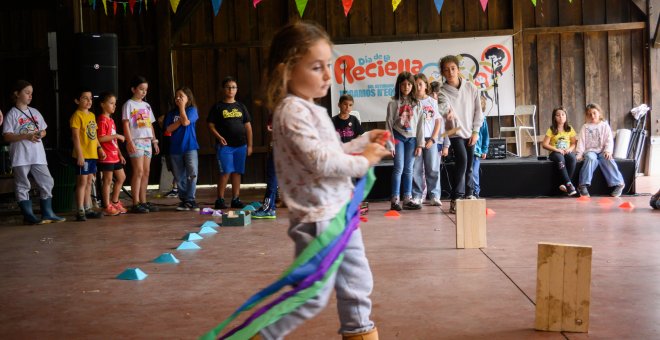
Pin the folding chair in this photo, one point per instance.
(524, 119)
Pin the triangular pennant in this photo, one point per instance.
(395, 4)
(438, 5)
(174, 4)
(534, 3)
(301, 4)
(347, 6)
(90, 2)
(216, 6)
(105, 7)
(255, 3)
(131, 5)
(114, 8)
(484, 3)
(93, 4)
(123, 3)
(146, 5)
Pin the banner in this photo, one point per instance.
(368, 71)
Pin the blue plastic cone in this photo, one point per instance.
(132, 274)
(188, 245)
(192, 237)
(166, 258)
(206, 230)
(210, 224)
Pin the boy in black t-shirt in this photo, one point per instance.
(348, 127)
(229, 122)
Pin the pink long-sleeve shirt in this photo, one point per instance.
(314, 169)
(594, 137)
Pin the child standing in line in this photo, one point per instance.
(137, 121)
(86, 151)
(560, 141)
(165, 150)
(595, 145)
(112, 165)
(180, 122)
(316, 182)
(229, 122)
(348, 126)
(24, 128)
(268, 209)
(426, 169)
(405, 122)
(480, 150)
(443, 139)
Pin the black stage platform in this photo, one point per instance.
(513, 177)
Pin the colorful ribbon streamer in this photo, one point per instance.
(309, 271)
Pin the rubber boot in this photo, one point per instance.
(47, 214)
(28, 215)
(368, 335)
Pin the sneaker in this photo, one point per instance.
(396, 204)
(436, 202)
(80, 216)
(173, 193)
(110, 211)
(220, 204)
(471, 197)
(265, 214)
(452, 207)
(582, 189)
(563, 188)
(183, 206)
(139, 209)
(570, 189)
(151, 207)
(192, 205)
(237, 204)
(411, 205)
(90, 213)
(618, 190)
(120, 207)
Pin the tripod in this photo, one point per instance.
(496, 98)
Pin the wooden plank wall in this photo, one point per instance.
(567, 68)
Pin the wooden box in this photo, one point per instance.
(471, 223)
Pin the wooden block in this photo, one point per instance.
(471, 223)
(563, 287)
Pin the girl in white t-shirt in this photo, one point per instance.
(24, 128)
(138, 119)
(426, 169)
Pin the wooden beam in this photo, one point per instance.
(182, 16)
(656, 39)
(628, 26)
(641, 5)
(164, 46)
(654, 86)
(518, 54)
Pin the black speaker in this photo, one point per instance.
(496, 148)
(96, 62)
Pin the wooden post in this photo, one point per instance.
(563, 282)
(471, 223)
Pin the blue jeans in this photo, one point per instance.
(271, 182)
(427, 166)
(404, 158)
(476, 162)
(609, 169)
(352, 283)
(184, 167)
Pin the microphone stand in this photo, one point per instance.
(496, 98)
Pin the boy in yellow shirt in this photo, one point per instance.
(86, 151)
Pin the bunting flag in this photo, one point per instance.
(124, 5)
(534, 3)
(255, 2)
(131, 5)
(93, 3)
(347, 6)
(395, 4)
(308, 273)
(484, 3)
(216, 6)
(114, 8)
(301, 4)
(105, 6)
(438, 5)
(174, 4)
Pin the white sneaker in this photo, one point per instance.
(436, 202)
(471, 197)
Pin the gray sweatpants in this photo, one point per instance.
(352, 282)
(42, 179)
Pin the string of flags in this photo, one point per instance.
(130, 5)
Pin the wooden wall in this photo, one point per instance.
(567, 53)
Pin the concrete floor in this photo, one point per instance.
(58, 281)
